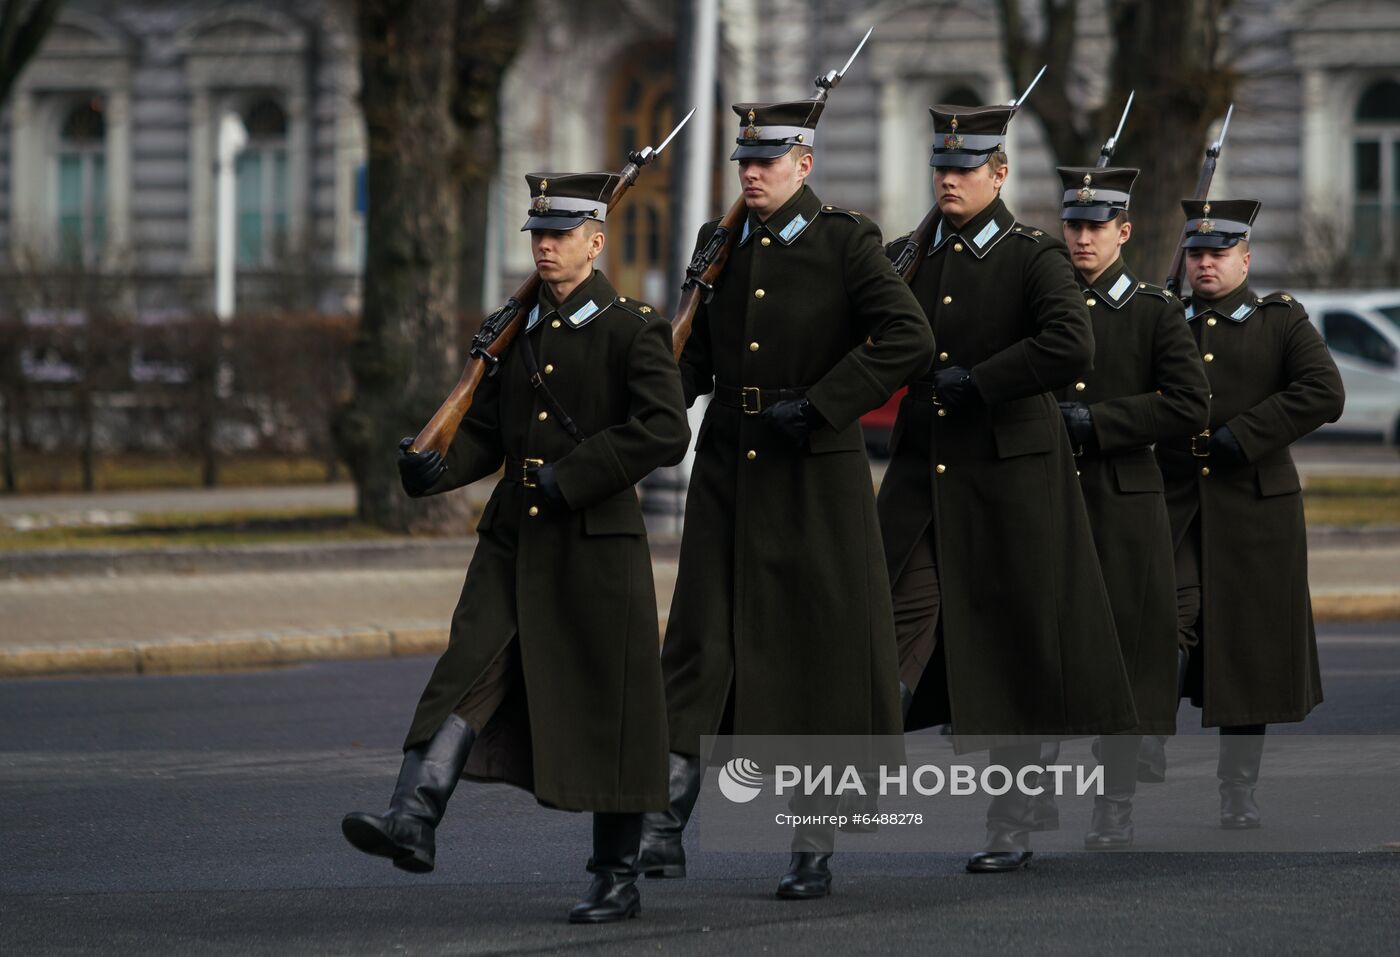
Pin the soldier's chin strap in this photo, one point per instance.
(532, 366)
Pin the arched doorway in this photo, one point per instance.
(641, 112)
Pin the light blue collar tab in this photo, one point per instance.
(534, 318)
(585, 312)
(1121, 286)
(793, 228)
(988, 231)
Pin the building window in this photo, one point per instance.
(80, 178)
(1376, 172)
(261, 174)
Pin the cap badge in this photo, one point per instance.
(752, 132)
(952, 141)
(1086, 195)
(1206, 226)
(541, 203)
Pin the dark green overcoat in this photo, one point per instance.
(1027, 643)
(1272, 381)
(574, 583)
(1148, 384)
(782, 606)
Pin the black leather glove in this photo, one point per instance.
(956, 389)
(794, 418)
(543, 477)
(1079, 423)
(418, 470)
(1225, 448)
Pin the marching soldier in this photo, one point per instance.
(1002, 618)
(551, 680)
(1148, 385)
(1244, 612)
(781, 619)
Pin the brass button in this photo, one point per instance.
(1259, 302)
(1080, 386)
(759, 294)
(542, 416)
(942, 413)
(621, 298)
(1210, 321)
(940, 468)
(549, 370)
(943, 357)
(555, 324)
(1209, 357)
(753, 346)
(1077, 472)
(957, 247)
(1205, 469)
(752, 455)
(1142, 285)
(534, 510)
(947, 299)
(765, 241)
(1091, 302)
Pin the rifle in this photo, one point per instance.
(709, 261)
(911, 257)
(1202, 190)
(500, 328)
(1111, 144)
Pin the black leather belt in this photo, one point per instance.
(518, 470)
(751, 399)
(1197, 446)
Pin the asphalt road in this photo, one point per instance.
(201, 815)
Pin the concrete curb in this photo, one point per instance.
(232, 653)
(268, 650)
(394, 553)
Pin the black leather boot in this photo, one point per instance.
(1241, 750)
(661, 853)
(1152, 754)
(808, 876)
(1112, 825)
(406, 832)
(1009, 817)
(613, 895)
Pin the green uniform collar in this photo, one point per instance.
(592, 296)
(980, 233)
(1115, 287)
(789, 222)
(1237, 305)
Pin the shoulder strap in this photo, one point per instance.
(532, 366)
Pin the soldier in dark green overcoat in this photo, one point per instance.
(1003, 620)
(1236, 505)
(1148, 384)
(551, 680)
(781, 620)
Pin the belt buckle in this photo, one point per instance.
(744, 393)
(1201, 453)
(525, 464)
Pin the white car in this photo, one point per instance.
(1362, 330)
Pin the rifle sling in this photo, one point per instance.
(532, 366)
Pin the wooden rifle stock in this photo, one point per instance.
(704, 269)
(915, 250)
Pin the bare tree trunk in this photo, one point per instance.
(23, 24)
(1169, 53)
(405, 358)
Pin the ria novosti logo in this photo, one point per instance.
(740, 780)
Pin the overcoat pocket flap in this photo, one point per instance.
(1137, 476)
(1025, 436)
(1278, 479)
(619, 515)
